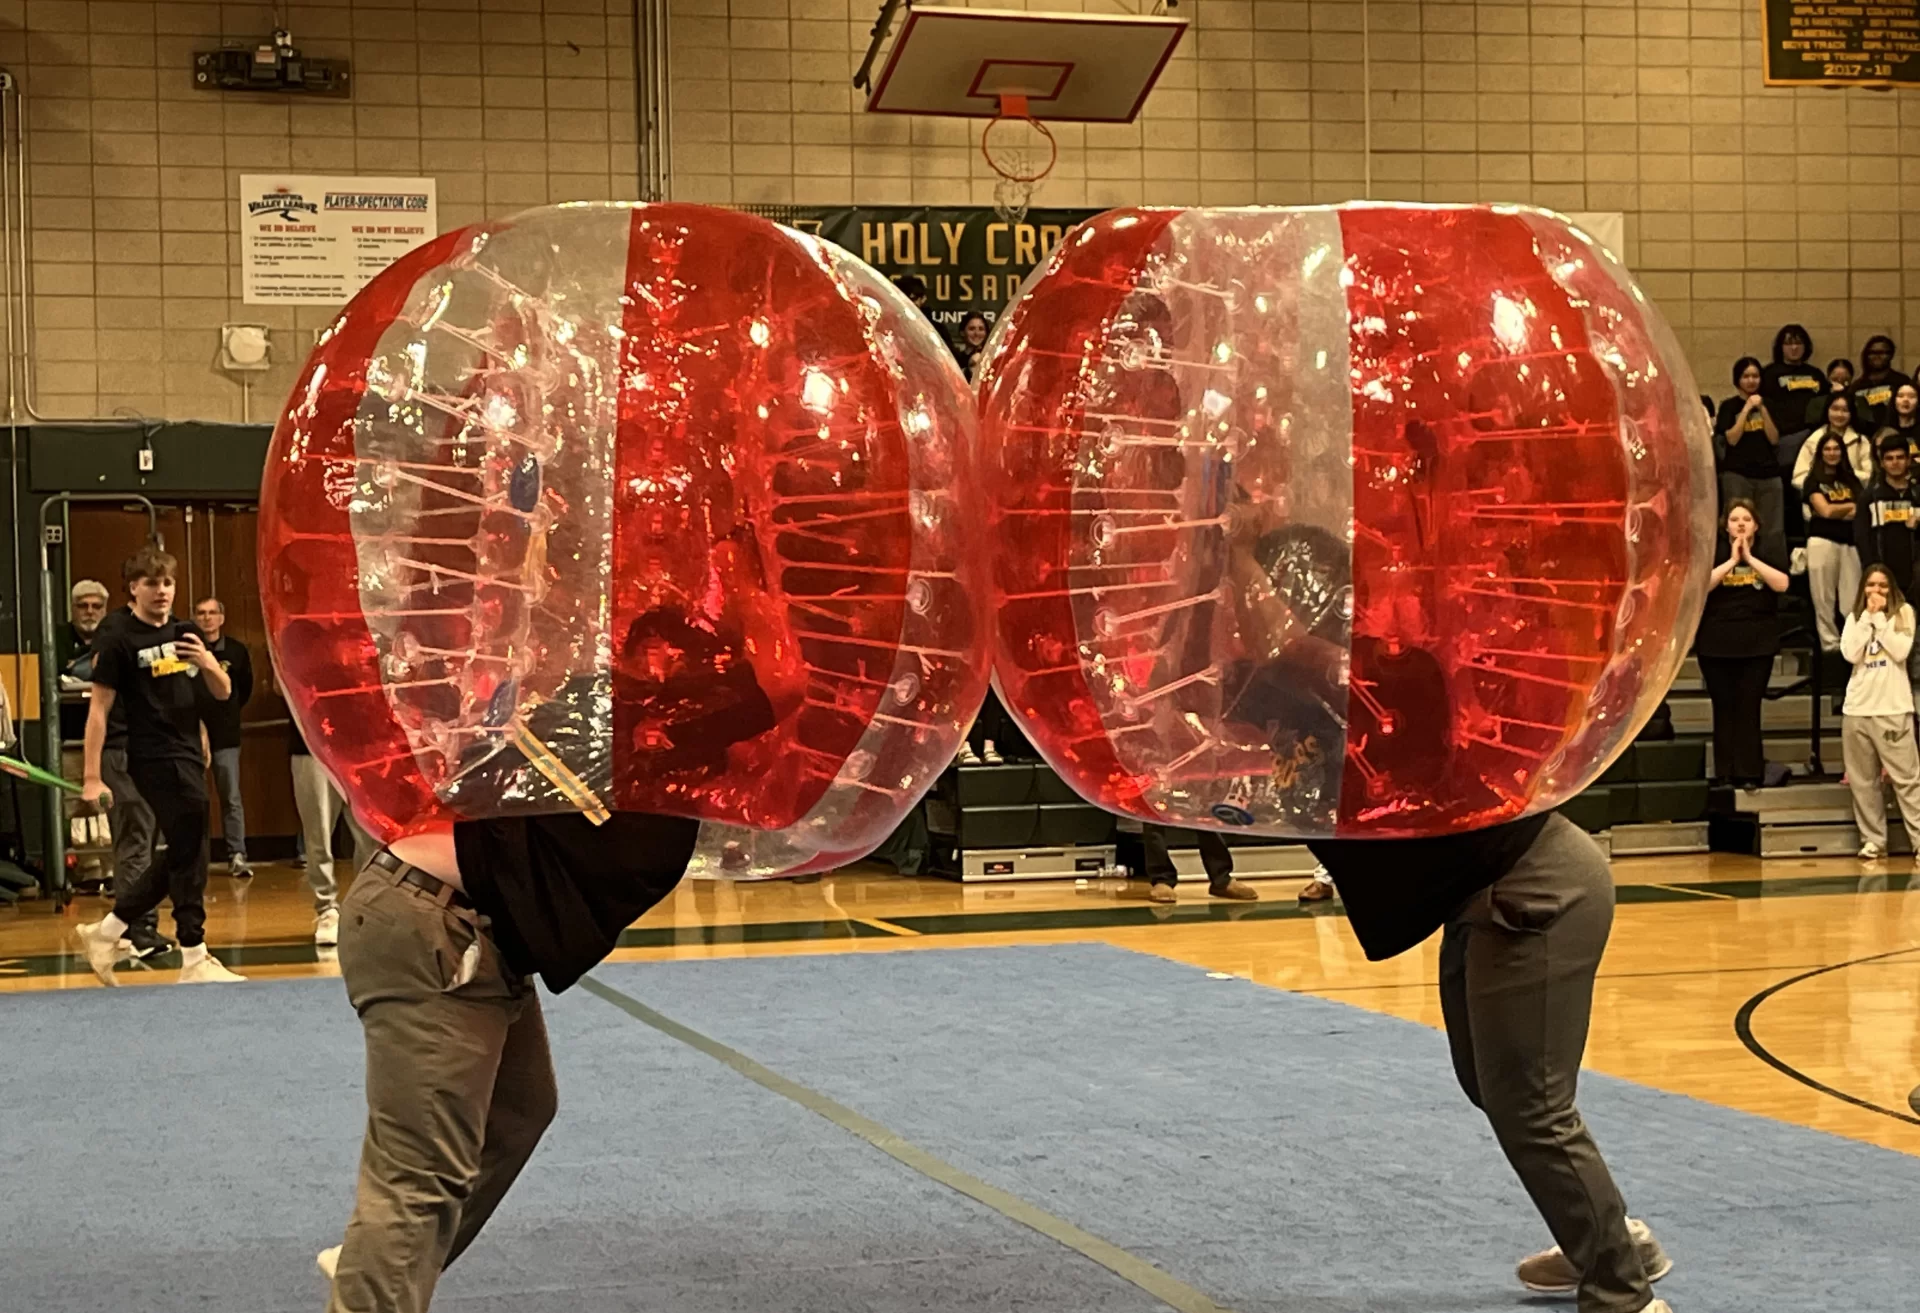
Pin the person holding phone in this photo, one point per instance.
(153, 666)
(1738, 638)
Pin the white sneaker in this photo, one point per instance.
(1871, 852)
(100, 953)
(209, 970)
(327, 1260)
(326, 930)
(1549, 1272)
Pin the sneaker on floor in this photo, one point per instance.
(326, 928)
(1871, 852)
(100, 953)
(209, 970)
(239, 869)
(147, 942)
(1238, 890)
(968, 757)
(991, 755)
(328, 1261)
(1160, 893)
(1549, 1272)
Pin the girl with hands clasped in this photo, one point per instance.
(1738, 639)
(1877, 724)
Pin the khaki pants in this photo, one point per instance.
(459, 1088)
(1516, 989)
(1866, 744)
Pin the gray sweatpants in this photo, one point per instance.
(1517, 964)
(460, 1088)
(1868, 743)
(320, 806)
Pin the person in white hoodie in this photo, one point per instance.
(1840, 423)
(1877, 719)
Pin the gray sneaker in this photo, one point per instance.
(1549, 1272)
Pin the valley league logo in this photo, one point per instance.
(283, 202)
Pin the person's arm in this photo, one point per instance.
(1722, 570)
(1766, 421)
(241, 675)
(1821, 506)
(1773, 578)
(99, 704)
(1896, 643)
(1854, 636)
(190, 647)
(1733, 422)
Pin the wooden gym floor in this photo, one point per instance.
(1789, 989)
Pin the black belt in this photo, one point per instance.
(439, 890)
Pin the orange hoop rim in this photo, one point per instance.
(1013, 109)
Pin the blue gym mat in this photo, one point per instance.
(175, 1149)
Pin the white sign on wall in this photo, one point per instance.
(308, 240)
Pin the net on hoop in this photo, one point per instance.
(1022, 152)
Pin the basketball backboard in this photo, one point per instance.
(1069, 67)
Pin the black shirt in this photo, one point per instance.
(1873, 402)
(1742, 616)
(1748, 451)
(1787, 391)
(1399, 891)
(159, 687)
(1884, 530)
(1837, 493)
(560, 889)
(223, 718)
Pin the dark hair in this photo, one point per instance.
(1892, 350)
(148, 563)
(1707, 401)
(972, 315)
(1741, 366)
(1842, 360)
(1892, 443)
(913, 285)
(1845, 400)
(1780, 342)
(1844, 474)
(1740, 504)
(1895, 598)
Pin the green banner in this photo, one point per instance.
(969, 258)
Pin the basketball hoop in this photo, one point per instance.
(1021, 151)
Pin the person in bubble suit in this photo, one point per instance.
(440, 939)
(1524, 908)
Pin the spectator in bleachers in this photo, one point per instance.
(1903, 418)
(1792, 380)
(1839, 379)
(1749, 454)
(1887, 522)
(1738, 638)
(1839, 423)
(1873, 390)
(1878, 733)
(1833, 495)
(973, 340)
(222, 721)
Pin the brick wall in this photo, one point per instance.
(1745, 206)
(135, 174)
